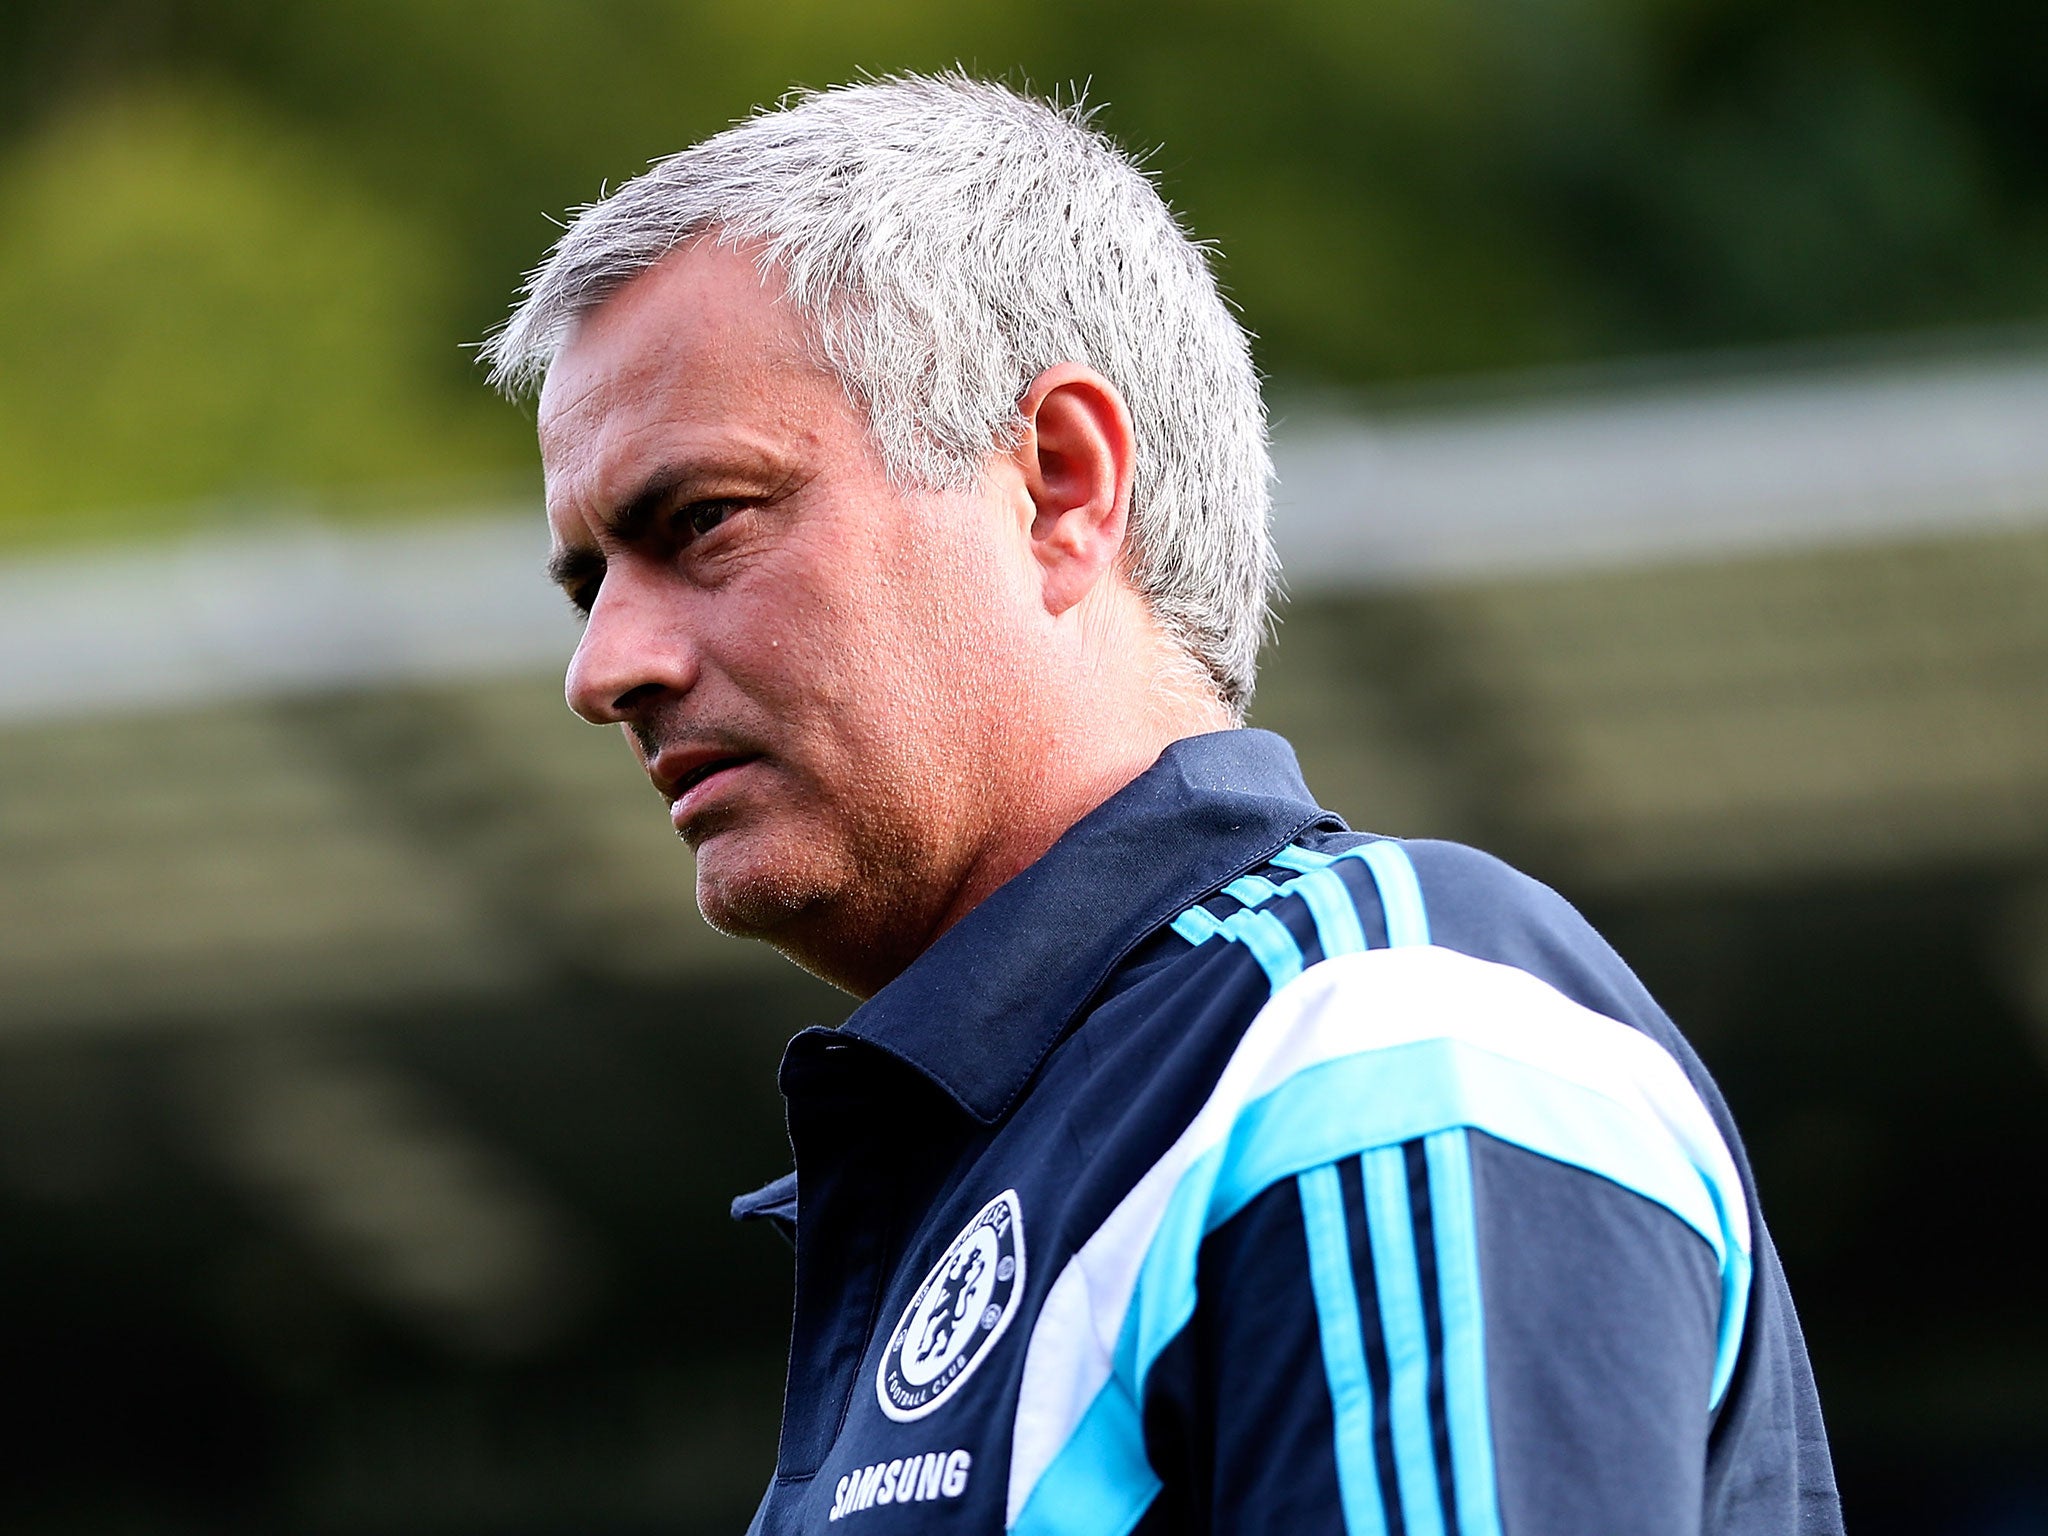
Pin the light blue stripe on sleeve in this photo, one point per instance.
(1302, 859)
(1329, 904)
(1400, 1289)
(1105, 1484)
(1260, 932)
(1336, 915)
(1400, 892)
(1470, 1420)
(1252, 890)
(1328, 900)
(1270, 943)
(1336, 1294)
(1735, 1276)
(1392, 871)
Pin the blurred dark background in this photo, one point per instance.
(1661, 390)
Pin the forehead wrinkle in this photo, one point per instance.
(649, 394)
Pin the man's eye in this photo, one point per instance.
(700, 517)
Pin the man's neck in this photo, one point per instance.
(1079, 772)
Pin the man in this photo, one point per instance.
(1193, 1163)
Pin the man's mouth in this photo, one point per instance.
(696, 776)
(678, 775)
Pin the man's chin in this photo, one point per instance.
(752, 897)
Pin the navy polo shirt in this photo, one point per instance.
(1229, 1170)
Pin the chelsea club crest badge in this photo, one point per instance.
(957, 1315)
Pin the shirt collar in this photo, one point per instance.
(979, 1010)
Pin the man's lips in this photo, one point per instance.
(680, 774)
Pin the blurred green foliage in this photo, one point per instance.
(243, 243)
(199, 307)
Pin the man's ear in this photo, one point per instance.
(1076, 455)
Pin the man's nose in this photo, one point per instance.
(634, 653)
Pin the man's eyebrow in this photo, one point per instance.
(571, 568)
(628, 519)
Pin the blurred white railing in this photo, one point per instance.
(1675, 471)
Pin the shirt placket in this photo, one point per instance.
(844, 1210)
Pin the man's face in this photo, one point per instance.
(818, 671)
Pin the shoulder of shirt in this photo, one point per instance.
(1446, 896)
(1470, 902)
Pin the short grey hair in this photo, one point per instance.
(949, 240)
